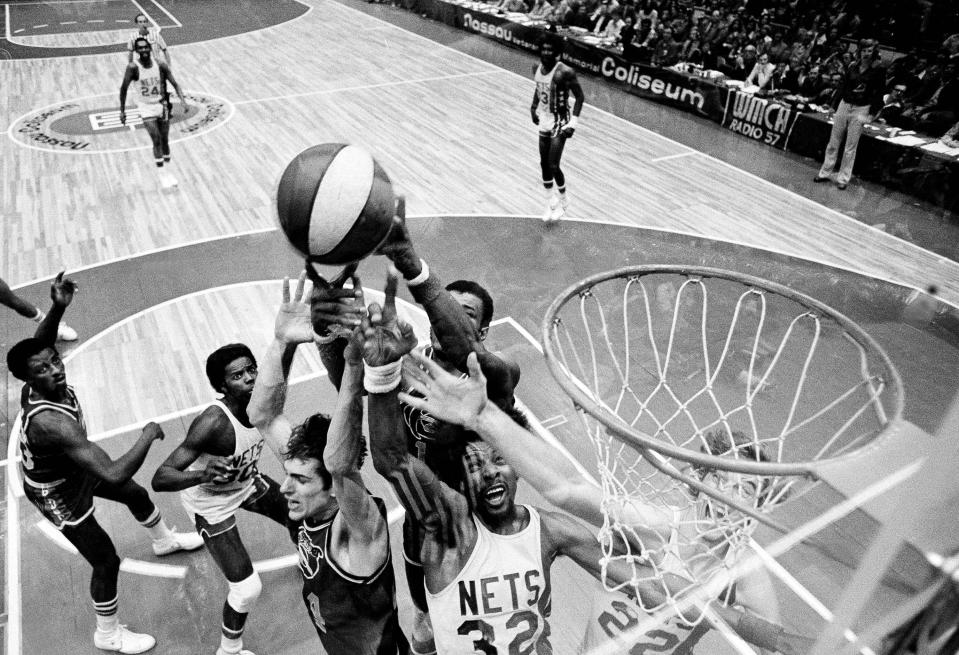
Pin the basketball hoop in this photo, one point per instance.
(707, 395)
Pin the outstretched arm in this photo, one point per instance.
(384, 343)
(61, 293)
(58, 429)
(290, 329)
(463, 401)
(452, 327)
(344, 453)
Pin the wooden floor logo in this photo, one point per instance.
(92, 125)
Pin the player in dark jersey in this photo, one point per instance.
(557, 121)
(152, 102)
(460, 314)
(340, 529)
(63, 471)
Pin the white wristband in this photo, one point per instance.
(422, 277)
(573, 120)
(381, 379)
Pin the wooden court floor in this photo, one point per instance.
(167, 276)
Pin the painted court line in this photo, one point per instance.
(54, 535)
(152, 569)
(275, 563)
(363, 87)
(676, 156)
(169, 15)
(144, 12)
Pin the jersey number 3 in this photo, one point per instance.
(518, 646)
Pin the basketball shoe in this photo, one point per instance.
(552, 207)
(66, 333)
(167, 181)
(122, 640)
(177, 541)
(563, 204)
(242, 651)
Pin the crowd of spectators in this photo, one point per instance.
(797, 47)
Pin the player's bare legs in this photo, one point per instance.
(550, 154)
(159, 131)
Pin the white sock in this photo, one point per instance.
(156, 526)
(231, 645)
(108, 623)
(107, 620)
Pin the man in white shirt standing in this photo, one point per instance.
(153, 37)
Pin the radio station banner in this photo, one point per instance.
(759, 119)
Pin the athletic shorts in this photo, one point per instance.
(150, 111)
(64, 502)
(264, 499)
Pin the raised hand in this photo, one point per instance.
(445, 396)
(62, 290)
(398, 246)
(292, 325)
(334, 308)
(385, 339)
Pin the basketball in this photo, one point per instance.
(335, 203)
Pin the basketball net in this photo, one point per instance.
(708, 397)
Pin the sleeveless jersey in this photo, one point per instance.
(553, 106)
(149, 94)
(500, 602)
(217, 502)
(430, 439)
(46, 464)
(353, 615)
